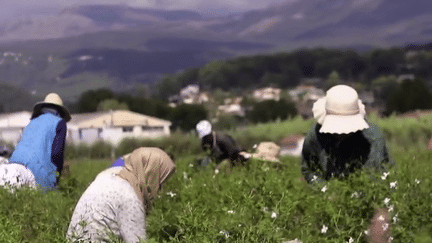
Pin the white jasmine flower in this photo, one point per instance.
(324, 229)
(216, 171)
(366, 232)
(384, 176)
(385, 226)
(395, 218)
(172, 194)
(381, 218)
(230, 211)
(416, 181)
(351, 240)
(274, 215)
(390, 208)
(390, 239)
(324, 188)
(355, 194)
(225, 233)
(191, 165)
(185, 175)
(255, 146)
(314, 178)
(393, 184)
(386, 201)
(265, 209)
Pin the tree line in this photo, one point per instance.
(183, 116)
(285, 70)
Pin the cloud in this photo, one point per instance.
(13, 9)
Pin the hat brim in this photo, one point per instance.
(37, 110)
(343, 124)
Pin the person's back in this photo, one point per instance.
(41, 148)
(36, 146)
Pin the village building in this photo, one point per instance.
(304, 97)
(268, 93)
(189, 95)
(232, 106)
(113, 126)
(12, 126)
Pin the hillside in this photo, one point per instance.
(119, 47)
(15, 99)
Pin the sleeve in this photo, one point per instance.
(132, 221)
(57, 152)
(310, 160)
(378, 155)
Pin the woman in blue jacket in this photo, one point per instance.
(41, 148)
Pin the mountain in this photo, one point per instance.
(15, 99)
(119, 46)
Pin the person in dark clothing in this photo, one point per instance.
(342, 141)
(40, 152)
(221, 146)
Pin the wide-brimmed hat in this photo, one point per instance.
(52, 100)
(267, 151)
(340, 111)
(203, 128)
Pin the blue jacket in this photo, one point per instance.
(41, 149)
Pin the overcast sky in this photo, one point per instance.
(13, 9)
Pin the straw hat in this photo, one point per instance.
(267, 151)
(52, 100)
(203, 128)
(340, 111)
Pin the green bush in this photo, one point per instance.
(100, 150)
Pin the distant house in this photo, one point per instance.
(267, 93)
(113, 126)
(303, 93)
(189, 95)
(232, 106)
(292, 145)
(12, 126)
(305, 96)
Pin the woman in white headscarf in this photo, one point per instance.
(341, 141)
(116, 202)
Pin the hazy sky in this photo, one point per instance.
(18, 9)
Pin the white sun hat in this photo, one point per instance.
(52, 100)
(203, 128)
(340, 111)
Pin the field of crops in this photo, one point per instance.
(254, 203)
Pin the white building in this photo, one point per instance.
(12, 126)
(267, 93)
(304, 93)
(113, 126)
